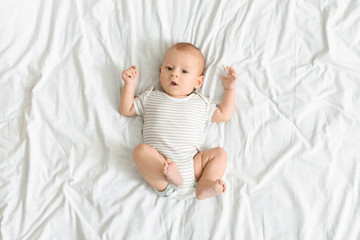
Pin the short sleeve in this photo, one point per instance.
(140, 102)
(211, 108)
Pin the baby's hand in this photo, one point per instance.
(229, 81)
(130, 75)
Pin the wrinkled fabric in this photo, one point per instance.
(66, 168)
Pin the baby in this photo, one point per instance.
(172, 159)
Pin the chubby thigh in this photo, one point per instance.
(150, 164)
(210, 165)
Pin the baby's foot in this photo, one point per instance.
(172, 173)
(210, 189)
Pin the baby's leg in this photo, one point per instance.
(155, 169)
(209, 168)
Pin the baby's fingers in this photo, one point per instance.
(231, 69)
(131, 72)
(133, 69)
(232, 73)
(128, 73)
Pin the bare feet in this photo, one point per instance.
(209, 189)
(172, 173)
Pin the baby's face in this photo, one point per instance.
(181, 72)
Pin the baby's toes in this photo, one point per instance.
(222, 184)
(166, 166)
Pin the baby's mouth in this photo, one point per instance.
(173, 83)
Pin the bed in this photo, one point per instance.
(293, 142)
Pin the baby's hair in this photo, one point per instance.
(184, 46)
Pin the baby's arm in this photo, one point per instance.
(226, 108)
(130, 77)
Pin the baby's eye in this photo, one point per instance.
(169, 68)
(185, 71)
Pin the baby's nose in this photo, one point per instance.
(174, 74)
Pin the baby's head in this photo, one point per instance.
(182, 70)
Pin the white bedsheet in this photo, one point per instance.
(66, 169)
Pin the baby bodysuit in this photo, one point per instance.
(175, 127)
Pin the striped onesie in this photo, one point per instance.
(175, 127)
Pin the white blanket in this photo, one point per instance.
(66, 168)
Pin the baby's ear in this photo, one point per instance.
(160, 69)
(199, 81)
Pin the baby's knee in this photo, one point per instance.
(140, 151)
(220, 153)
